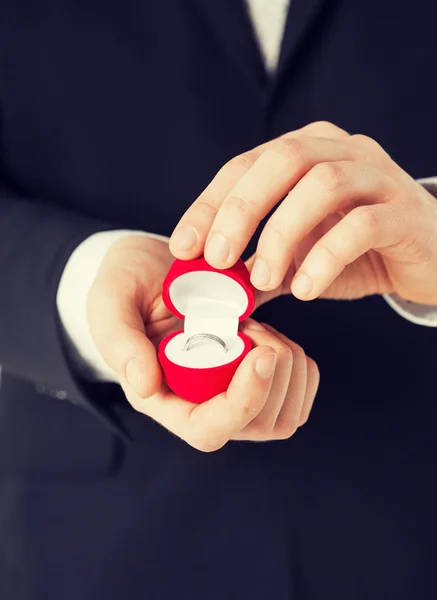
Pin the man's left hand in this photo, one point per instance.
(348, 221)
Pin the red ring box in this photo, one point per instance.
(211, 301)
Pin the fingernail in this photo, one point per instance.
(184, 238)
(260, 275)
(134, 373)
(302, 285)
(265, 365)
(218, 248)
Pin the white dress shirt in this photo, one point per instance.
(268, 19)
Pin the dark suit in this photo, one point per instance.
(116, 114)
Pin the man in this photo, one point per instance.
(115, 119)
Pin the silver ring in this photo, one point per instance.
(210, 336)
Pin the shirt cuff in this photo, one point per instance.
(420, 314)
(76, 281)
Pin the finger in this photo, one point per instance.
(210, 425)
(284, 162)
(246, 397)
(327, 188)
(263, 296)
(362, 229)
(117, 329)
(312, 385)
(261, 427)
(289, 418)
(187, 240)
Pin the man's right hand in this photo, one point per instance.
(270, 396)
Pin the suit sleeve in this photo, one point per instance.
(36, 241)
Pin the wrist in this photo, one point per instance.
(414, 279)
(138, 240)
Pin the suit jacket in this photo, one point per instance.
(117, 114)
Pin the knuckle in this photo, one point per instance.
(360, 138)
(285, 431)
(136, 406)
(364, 140)
(243, 161)
(291, 148)
(285, 352)
(329, 175)
(297, 351)
(205, 442)
(206, 208)
(274, 230)
(135, 402)
(332, 254)
(244, 206)
(262, 429)
(324, 127)
(321, 124)
(366, 217)
(291, 141)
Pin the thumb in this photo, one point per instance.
(118, 330)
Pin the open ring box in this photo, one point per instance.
(210, 301)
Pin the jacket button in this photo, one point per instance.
(42, 388)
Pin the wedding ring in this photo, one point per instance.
(210, 336)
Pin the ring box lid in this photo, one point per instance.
(209, 300)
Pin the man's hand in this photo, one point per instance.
(270, 395)
(126, 316)
(352, 223)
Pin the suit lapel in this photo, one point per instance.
(302, 14)
(229, 21)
